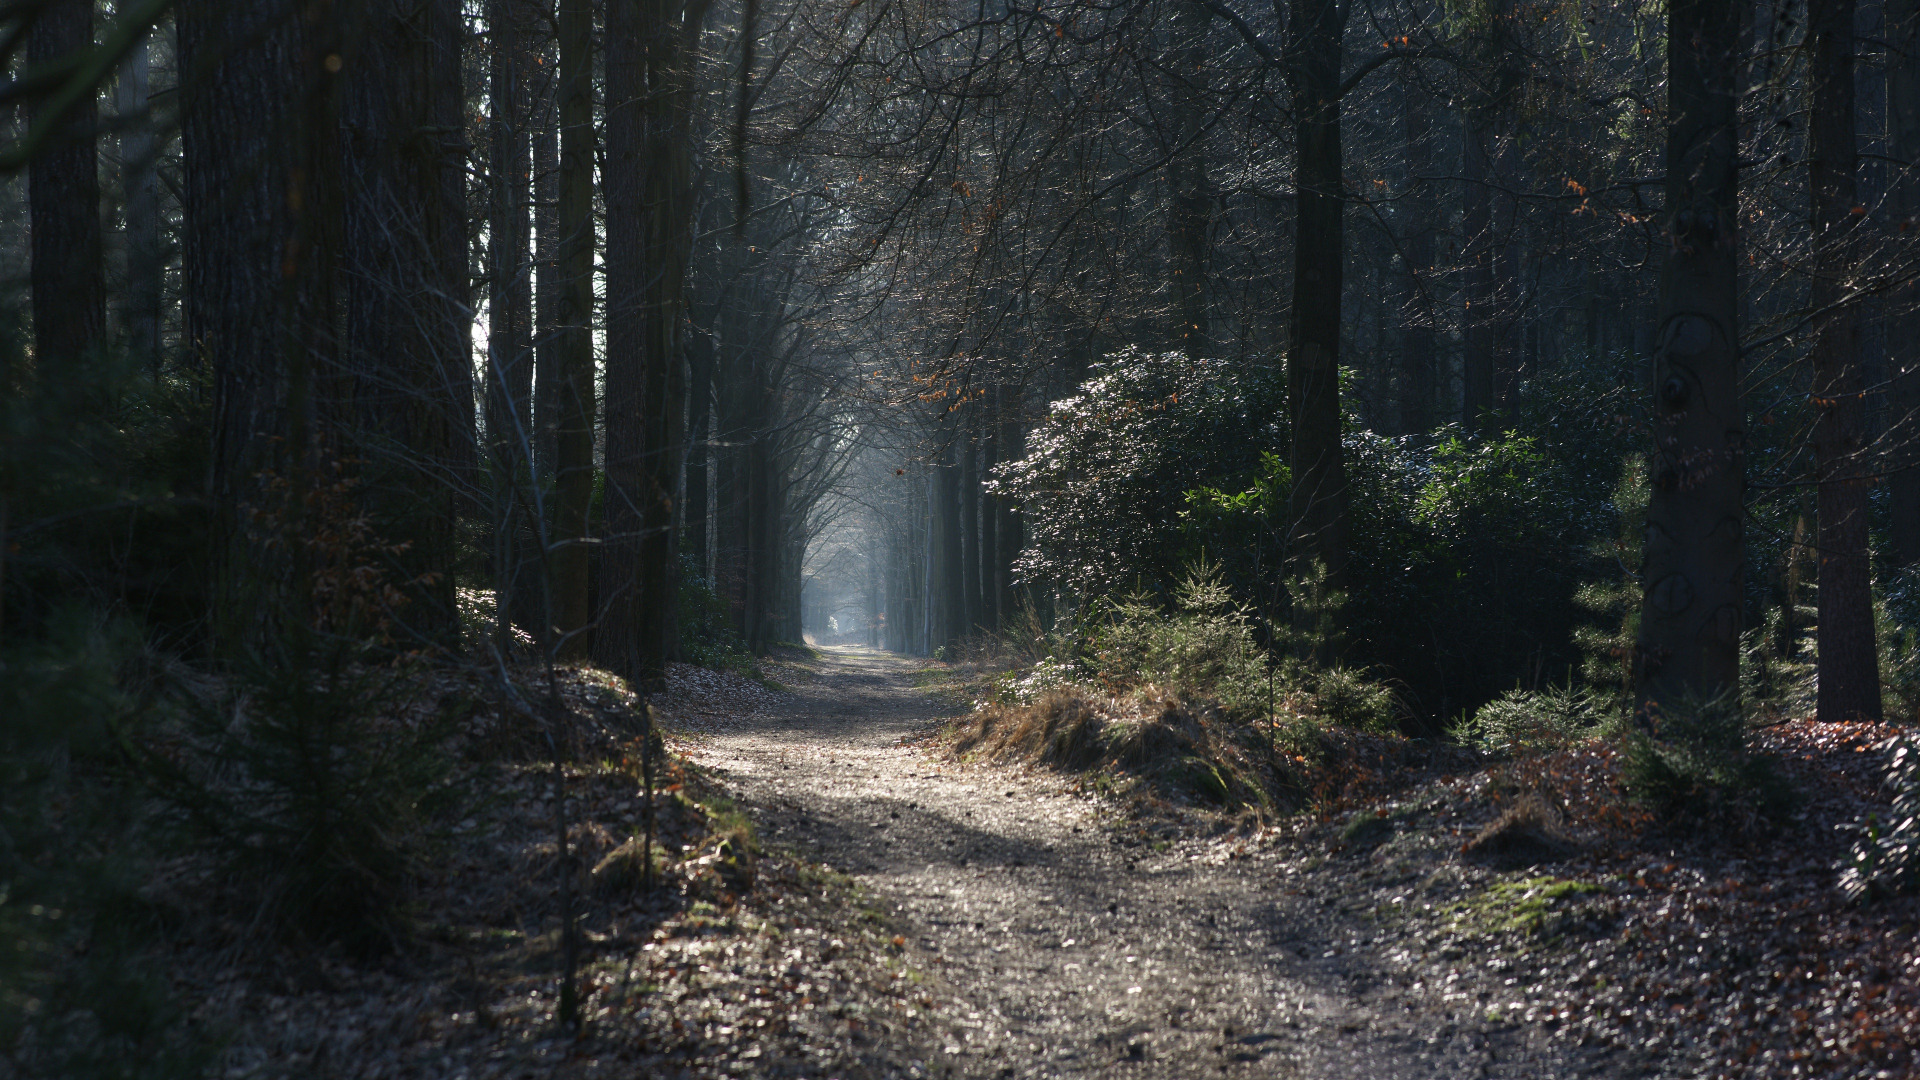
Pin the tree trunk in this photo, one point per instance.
(1188, 226)
(668, 26)
(407, 366)
(255, 263)
(574, 389)
(617, 641)
(1477, 286)
(1319, 495)
(509, 389)
(1903, 197)
(1417, 391)
(971, 611)
(1689, 647)
(1007, 530)
(1849, 668)
(63, 192)
(140, 181)
(700, 430)
(550, 291)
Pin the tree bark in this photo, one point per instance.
(699, 498)
(140, 182)
(670, 27)
(1903, 197)
(1477, 286)
(617, 641)
(509, 391)
(257, 241)
(549, 289)
(1417, 390)
(574, 404)
(1689, 644)
(1189, 224)
(1319, 495)
(63, 193)
(408, 363)
(1849, 668)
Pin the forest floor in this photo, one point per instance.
(913, 914)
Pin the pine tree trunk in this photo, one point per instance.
(1689, 645)
(668, 240)
(140, 182)
(1189, 225)
(574, 389)
(1849, 668)
(1417, 390)
(1477, 286)
(407, 368)
(700, 429)
(254, 262)
(63, 193)
(1319, 495)
(617, 641)
(549, 290)
(1903, 197)
(509, 391)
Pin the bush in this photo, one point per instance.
(316, 779)
(1520, 723)
(1693, 761)
(1205, 646)
(1885, 859)
(1348, 698)
(76, 997)
(707, 634)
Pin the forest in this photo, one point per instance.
(535, 533)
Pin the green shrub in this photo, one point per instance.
(77, 999)
(707, 634)
(1885, 859)
(316, 779)
(1349, 698)
(1205, 646)
(1523, 722)
(1693, 761)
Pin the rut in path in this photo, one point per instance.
(1070, 953)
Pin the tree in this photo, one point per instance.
(1849, 670)
(256, 254)
(63, 184)
(1903, 203)
(406, 383)
(1319, 494)
(574, 404)
(510, 361)
(1689, 644)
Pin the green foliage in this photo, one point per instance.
(1108, 470)
(1885, 856)
(1614, 598)
(1205, 645)
(316, 778)
(1524, 722)
(707, 634)
(77, 997)
(1897, 622)
(1693, 761)
(100, 468)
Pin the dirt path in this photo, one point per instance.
(1063, 950)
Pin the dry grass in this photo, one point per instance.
(1151, 742)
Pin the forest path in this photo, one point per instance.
(1059, 949)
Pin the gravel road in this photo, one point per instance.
(1063, 946)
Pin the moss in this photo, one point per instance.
(1529, 906)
